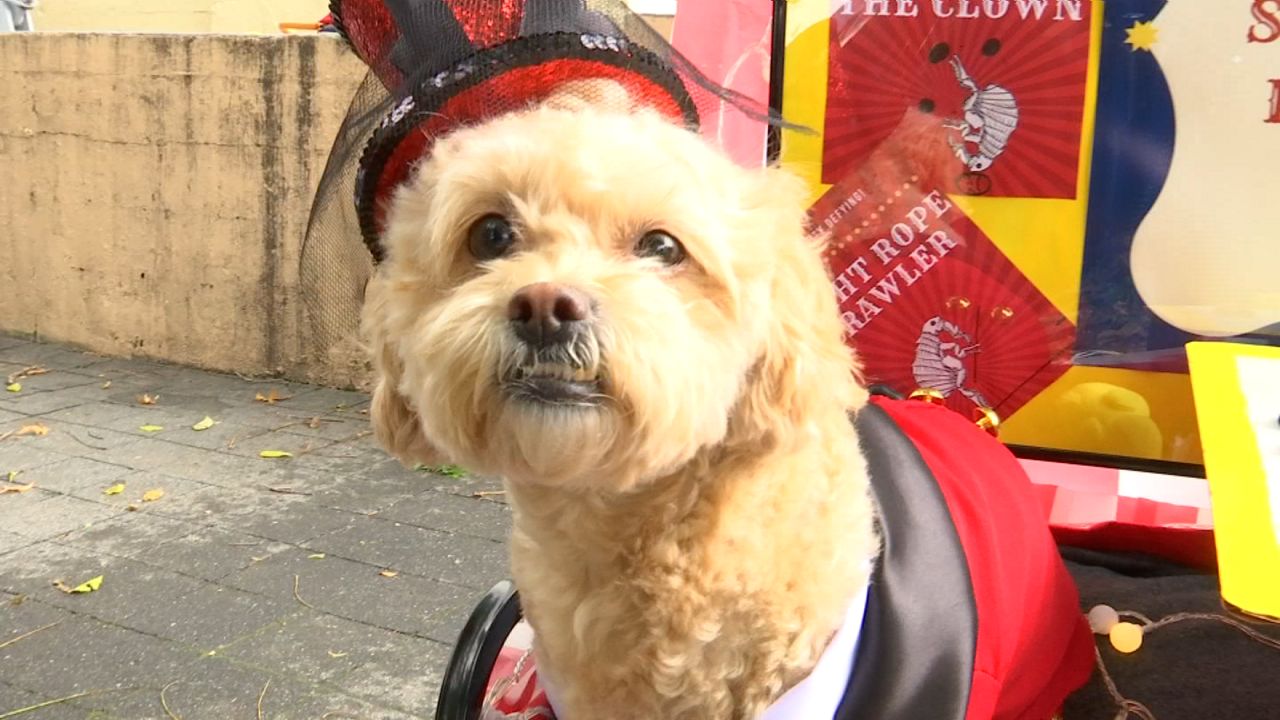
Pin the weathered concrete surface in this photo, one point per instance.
(198, 591)
(156, 191)
(227, 16)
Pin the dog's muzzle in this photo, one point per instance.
(556, 360)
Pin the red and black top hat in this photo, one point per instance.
(451, 63)
(438, 65)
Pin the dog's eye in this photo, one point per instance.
(491, 237)
(661, 246)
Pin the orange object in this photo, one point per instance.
(928, 395)
(987, 419)
(311, 26)
(1126, 637)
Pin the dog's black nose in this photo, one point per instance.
(546, 313)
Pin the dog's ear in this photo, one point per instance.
(395, 424)
(397, 428)
(806, 364)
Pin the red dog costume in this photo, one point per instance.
(971, 614)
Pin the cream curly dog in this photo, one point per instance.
(636, 334)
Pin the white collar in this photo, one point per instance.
(818, 696)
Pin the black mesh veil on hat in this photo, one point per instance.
(437, 65)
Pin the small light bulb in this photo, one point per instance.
(1102, 618)
(1126, 637)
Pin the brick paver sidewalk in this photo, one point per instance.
(334, 579)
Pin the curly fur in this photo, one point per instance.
(686, 548)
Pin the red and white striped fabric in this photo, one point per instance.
(1125, 510)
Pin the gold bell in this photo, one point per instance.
(929, 395)
(987, 419)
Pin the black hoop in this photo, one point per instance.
(467, 676)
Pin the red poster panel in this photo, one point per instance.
(1001, 82)
(930, 302)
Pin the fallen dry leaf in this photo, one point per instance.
(151, 428)
(313, 423)
(449, 471)
(87, 586)
(106, 385)
(4, 489)
(285, 490)
(14, 387)
(114, 489)
(275, 454)
(13, 474)
(37, 429)
(148, 399)
(29, 371)
(316, 556)
(271, 398)
(389, 573)
(131, 507)
(336, 655)
(152, 495)
(204, 424)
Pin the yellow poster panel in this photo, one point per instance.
(890, 51)
(1237, 391)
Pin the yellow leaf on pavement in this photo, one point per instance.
(275, 454)
(152, 495)
(38, 429)
(114, 489)
(85, 587)
(151, 428)
(389, 573)
(316, 556)
(4, 489)
(14, 387)
(204, 424)
(88, 585)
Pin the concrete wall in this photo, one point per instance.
(219, 16)
(175, 16)
(154, 192)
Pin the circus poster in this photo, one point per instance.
(1034, 205)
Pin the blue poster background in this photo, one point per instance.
(1133, 145)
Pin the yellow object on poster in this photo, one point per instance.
(1237, 394)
